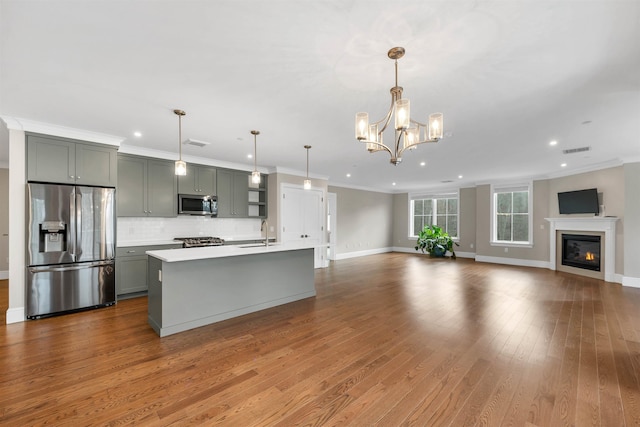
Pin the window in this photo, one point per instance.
(440, 210)
(511, 217)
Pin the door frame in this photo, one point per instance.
(332, 224)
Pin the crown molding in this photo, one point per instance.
(26, 125)
(296, 172)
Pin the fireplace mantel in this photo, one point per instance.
(606, 225)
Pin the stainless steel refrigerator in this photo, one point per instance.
(70, 248)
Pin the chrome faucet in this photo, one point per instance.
(265, 226)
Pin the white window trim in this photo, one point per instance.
(445, 194)
(510, 187)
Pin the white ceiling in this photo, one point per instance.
(508, 76)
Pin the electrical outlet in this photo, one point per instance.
(506, 249)
(471, 245)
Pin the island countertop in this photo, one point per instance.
(207, 252)
(193, 287)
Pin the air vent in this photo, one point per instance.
(576, 150)
(196, 143)
(446, 181)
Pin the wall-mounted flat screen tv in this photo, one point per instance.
(579, 202)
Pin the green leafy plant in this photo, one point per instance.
(434, 241)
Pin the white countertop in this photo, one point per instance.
(227, 240)
(147, 243)
(190, 254)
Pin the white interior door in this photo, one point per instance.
(303, 218)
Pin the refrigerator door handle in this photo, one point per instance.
(47, 269)
(71, 231)
(78, 211)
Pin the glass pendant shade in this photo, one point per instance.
(255, 177)
(181, 168)
(411, 138)
(362, 126)
(402, 114)
(307, 184)
(373, 133)
(436, 126)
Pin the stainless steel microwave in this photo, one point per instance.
(189, 204)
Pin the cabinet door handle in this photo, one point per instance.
(71, 176)
(131, 252)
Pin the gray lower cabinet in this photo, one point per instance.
(131, 267)
(200, 179)
(147, 187)
(233, 194)
(68, 161)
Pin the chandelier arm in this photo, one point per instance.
(402, 150)
(382, 146)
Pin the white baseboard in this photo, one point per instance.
(513, 261)
(632, 282)
(4, 275)
(15, 315)
(357, 254)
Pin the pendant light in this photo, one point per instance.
(255, 175)
(307, 182)
(181, 166)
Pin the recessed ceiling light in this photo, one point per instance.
(564, 165)
(459, 176)
(137, 134)
(423, 163)
(348, 175)
(393, 183)
(249, 156)
(554, 142)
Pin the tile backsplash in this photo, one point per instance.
(158, 229)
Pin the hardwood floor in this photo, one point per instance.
(391, 339)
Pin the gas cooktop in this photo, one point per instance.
(195, 242)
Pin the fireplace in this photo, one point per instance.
(605, 227)
(581, 251)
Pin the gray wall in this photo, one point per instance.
(4, 222)
(364, 220)
(540, 249)
(619, 186)
(631, 222)
(611, 183)
(467, 232)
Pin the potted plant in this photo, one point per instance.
(435, 241)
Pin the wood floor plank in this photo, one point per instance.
(382, 343)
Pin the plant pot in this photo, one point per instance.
(438, 251)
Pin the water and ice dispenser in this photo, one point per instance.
(53, 236)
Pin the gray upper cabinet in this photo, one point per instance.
(147, 187)
(198, 180)
(233, 191)
(67, 161)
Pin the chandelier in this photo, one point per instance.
(409, 133)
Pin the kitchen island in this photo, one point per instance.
(193, 287)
